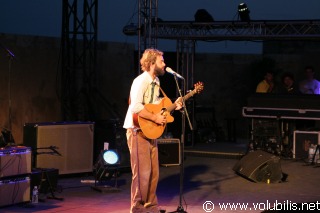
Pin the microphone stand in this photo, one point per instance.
(181, 150)
(11, 57)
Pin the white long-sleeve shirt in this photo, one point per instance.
(140, 94)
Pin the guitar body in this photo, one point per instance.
(150, 129)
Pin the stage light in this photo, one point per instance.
(130, 30)
(110, 157)
(107, 162)
(243, 12)
(106, 168)
(203, 15)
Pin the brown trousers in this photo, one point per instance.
(145, 172)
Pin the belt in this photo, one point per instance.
(140, 133)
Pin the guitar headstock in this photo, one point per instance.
(198, 87)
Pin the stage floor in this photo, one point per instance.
(208, 179)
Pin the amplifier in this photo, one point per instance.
(169, 151)
(14, 190)
(15, 161)
(72, 142)
(303, 141)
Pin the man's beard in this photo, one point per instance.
(158, 71)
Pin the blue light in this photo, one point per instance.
(110, 157)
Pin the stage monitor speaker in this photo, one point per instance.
(15, 161)
(14, 190)
(169, 153)
(74, 142)
(260, 166)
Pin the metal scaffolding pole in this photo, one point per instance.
(79, 55)
(147, 33)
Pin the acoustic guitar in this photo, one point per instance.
(153, 130)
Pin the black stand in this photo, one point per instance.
(36, 153)
(102, 171)
(279, 142)
(11, 57)
(106, 188)
(273, 148)
(184, 114)
(44, 172)
(45, 177)
(283, 131)
(314, 160)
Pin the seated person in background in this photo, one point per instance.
(288, 84)
(267, 84)
(310, 85)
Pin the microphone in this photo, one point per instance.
(169, 70)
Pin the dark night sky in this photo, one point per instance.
(43, 18)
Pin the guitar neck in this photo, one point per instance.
(186, 97)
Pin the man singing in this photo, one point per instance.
(144, 151)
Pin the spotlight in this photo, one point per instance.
(106, 168)
(110, 157)
(107, 162)
(130, 30)
(243, 12)
(203, 15)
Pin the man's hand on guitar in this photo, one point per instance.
(161, 118)
(178, 103)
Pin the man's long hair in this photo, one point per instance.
(149, 57)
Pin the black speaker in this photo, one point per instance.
(45, 179)
(168, 152)
(111, 131)
(260, 166)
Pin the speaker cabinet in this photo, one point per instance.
(122, 148)
(14, 190)
(260, 166)
(111, 131)
(74, 142)
(302, 141)
(169, 153)
(15, 161)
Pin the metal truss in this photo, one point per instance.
(237, 30)
(147, 16)
(79, 55)
(187, 33)
(185, 61)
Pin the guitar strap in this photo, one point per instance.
(164, 94)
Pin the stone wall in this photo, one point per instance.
(30, 82)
